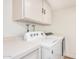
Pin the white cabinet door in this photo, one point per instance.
(17, 9)
(46, 12)
(33, 9)
(33, 55)
(29, 10)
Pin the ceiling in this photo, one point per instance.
(58, 4)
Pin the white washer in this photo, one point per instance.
(51, 46)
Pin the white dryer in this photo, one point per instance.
(52, 47)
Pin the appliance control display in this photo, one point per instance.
(34, 35)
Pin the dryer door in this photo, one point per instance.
(56, 51)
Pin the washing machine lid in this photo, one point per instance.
(51, 40)
(58, 37)
(48, 43)
(52, 37)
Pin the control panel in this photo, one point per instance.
(29, 36)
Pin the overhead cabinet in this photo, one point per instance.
(30, 10)
(47, 12)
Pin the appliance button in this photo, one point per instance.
(41, 33)
(37, 34)
(34, 34)
(31, 35)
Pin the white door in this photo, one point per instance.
(46, 12)
(54, 52)
(33, 9)
(33, 55)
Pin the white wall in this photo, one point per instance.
(63, 22)
(10, 27)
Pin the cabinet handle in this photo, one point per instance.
(52, 51)
(63, 46)
(44, 11)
